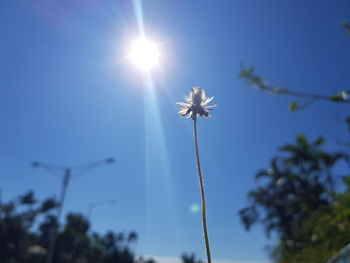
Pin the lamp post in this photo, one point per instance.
(67, 173)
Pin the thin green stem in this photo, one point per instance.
(204, 207)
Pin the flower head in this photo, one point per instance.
(197, 104)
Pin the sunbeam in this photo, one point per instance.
(139, 16)
(160, 194)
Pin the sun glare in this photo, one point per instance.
(144, 54)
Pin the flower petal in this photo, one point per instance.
(188, 99)
(211, 106)
(183, 104)
(208, 100)
(203, 95)
(189, 115)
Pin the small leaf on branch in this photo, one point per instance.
(319, 141)
(293, 106)
(338, 97)
(301, 140)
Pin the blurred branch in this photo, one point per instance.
(256, 81)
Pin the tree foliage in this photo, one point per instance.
(26, 226)
(190, 258)
(15, 225)
(329, 230)
(295, 197)
(21, 242)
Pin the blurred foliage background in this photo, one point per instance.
(27, 224)
(298, 199)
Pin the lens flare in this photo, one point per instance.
(195, 208)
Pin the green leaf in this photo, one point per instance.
(319, 141)
(336, 97)
(293, 106)
(301, 139)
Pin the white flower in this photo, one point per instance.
(197, 104)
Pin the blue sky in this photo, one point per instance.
(68, 95)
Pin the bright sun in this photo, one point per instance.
(144, 54)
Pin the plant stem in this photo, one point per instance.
(204, 209)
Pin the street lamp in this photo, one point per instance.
(67, 173)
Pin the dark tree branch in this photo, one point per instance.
(254, 80)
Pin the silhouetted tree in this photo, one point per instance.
(20, 242)
(190, 258)
(16, 220)
(299, 182)
(298, 199)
